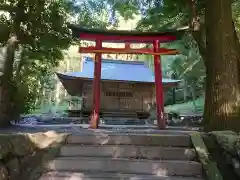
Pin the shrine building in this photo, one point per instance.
(127, 87)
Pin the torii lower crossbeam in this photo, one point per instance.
(149, 51)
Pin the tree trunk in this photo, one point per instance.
(6, 82)
(7, 104)
(58, 94)
(237, 43)
(67, 70)
(193, 92)
(222, 80)
(20, 67)
(185, 91)
(43, 98)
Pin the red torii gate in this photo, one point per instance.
(127, 37)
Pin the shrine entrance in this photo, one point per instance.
(127, 37)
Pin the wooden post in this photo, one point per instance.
(158, 87)
(96, 88)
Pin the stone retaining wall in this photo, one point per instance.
(229, 143)
(20, 154)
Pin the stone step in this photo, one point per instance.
(146, 140)
(107, 176)
(129, 151)
(122, 121)
(150, 167)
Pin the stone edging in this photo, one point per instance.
(231, 155)
(52, 152)
(210, 167)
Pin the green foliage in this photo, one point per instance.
(189, 66)
(187, 107)
(23, 98)
(127, 9)
(169, 15)
(92, 14)
(42, 33)
(236, 15)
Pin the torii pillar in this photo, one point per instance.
(96, 87)
(158, 87)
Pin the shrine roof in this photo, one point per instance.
(118, 35)
(116, 70)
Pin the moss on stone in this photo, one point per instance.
(14, 168)
(229, 142)
(210, 168)
(5, 146)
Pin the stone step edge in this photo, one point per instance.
(125, 160)
(125, 145)
(138, 152)
(150, 167)
(130, 135)
(154, 140)
(93, 175)
(138, 158)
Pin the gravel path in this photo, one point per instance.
(104, 129)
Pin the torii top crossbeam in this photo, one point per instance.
(127, 37)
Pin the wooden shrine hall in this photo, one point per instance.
(127, 37)
(124, 94)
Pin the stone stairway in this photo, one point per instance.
(126, 157)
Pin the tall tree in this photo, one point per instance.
(38, 31)
(222, 108)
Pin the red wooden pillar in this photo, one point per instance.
(158, 87)
(96, 88)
